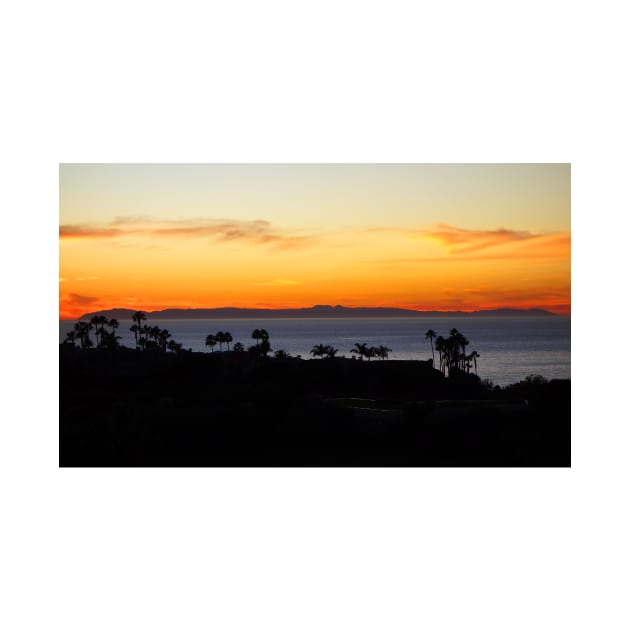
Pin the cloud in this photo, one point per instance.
(256, 231)
(87, 231)
(73, 305)
(74, 299)
(461, 241)
(488, 245)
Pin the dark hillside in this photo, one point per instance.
(130, 408)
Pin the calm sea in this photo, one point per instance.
(510, 347)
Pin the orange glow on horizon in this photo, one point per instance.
(266, 257)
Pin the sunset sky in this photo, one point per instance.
(288, 235)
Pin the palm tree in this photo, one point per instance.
(164, 336)
(220, 337)
(264, 335)
(319, 350)
(113, 324)
(155, 333)
(474, 355)
(94, 323)
(145, 331)
(440, 346)
(103, 321)
(228, 339)
(211, 341)
(138, 317)
(134, 328)
(256, 335)
(362, 350)
(431, 336)
(381, 352)
(331, 352)
(459, 350)
(265, 346)
(82, 332)
(173, 346)
(70, 337)
(109, 340)
(464, 342)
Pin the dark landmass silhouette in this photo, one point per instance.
(127, 407)
(312, 312)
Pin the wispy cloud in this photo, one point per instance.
(462, 241)
(463, 245)
(72, 305)
(88, 231)
(257, 231)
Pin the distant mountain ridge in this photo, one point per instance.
(312, 312)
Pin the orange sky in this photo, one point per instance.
(414, 236)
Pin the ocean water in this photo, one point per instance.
(511, 348)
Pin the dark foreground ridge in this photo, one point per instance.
(133, 408)
(313, 311)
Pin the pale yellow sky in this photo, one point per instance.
(418, 236)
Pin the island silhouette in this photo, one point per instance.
(320, 310)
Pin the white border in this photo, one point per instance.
(287, 81)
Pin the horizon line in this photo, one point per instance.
(298, 308)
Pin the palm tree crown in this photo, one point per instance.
(211, 341)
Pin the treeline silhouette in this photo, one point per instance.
(451, 350)
(248, 407)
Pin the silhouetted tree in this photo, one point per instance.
(381, 352)
(102, 321)
(163, 338)
(440, 346)
(265, 346)
(94, 324)
(362, 350)
(173, 346)
(220, 337)
(82, 332)
(319, 350)
(211, 341)
(280, 354)
(228, 339)
(452, 352)
(474, 355)
(256, 335)
(145, 331)
(113, 324)
(109, 340)
(261, 350)
(135, 329)
(137, 318)
(430, 335)
(239, 347)
(70, 338)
